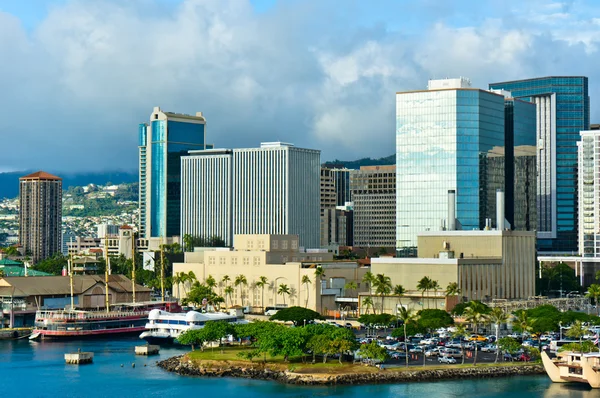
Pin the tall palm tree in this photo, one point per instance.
(191, 278)
(460, 332)
(228, 293)
(522, 322)
(368, 278)
(435, 286)
(262, 282)
(405, 316)
(241, 281)
(319, 275)
(594, 292)
(577, 331)
(352, 285)
(452, 289)
(177, 281)
(475, 315)
(306, 281)
(225, 281)
(383, 286)
(423, 285)
(283, 290)
(211, 282)
(399, 291)
(368, 302)
(498, 317)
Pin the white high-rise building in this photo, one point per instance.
(274, 189)
(589, 193)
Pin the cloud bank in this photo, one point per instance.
(318, 74)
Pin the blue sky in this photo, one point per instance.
(77, 76)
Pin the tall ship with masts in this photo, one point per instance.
(112, 320)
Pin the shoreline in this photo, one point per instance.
(183, 366)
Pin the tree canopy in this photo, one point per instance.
(296, 314)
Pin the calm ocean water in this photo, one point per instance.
(38, 370)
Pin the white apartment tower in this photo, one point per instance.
(274, 189)
(589, 193)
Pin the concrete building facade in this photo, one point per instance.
(40, 215)
(374, 194)
(273, 189)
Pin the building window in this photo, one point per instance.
(256, 261)
(284, 244)
(222, 260)
(246, 260)
(275, 243)
(261, 244)
(211, 261)
(294, 244)
(234, 260)
(250, 244)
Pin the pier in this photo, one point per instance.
(79, 358)
(147, 349)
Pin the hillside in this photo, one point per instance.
(355, 164)
(9, 182)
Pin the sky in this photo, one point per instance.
(78, 76)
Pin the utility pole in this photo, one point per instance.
(107, 303)
(133, 265)
(162, 271)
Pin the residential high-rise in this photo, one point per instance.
(328, 200)
(40, 215)
(162, 142)
(448, 138)
(374, 197)
(589, 193)
(563, 110)
(273, 189)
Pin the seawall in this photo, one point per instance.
(182, 366)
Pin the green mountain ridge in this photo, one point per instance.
(356, 164)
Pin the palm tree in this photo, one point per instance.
(319, 275)
(228, 292)
(399, 291)
(383, 286)
(225, 281)
(460, 332)
(577, 331)
(475, 314)
(498, 317)
(306, 281)
(435, 286)
(188, 243)
(283, 290)
(368, 278)
(211, 282)
(452, 289)
(262, 282)
(241, 280)
(191, 278)
(351, 286)
(522, 322)
(423, 285)
(177, 281)
(594, 292)
(368, 302)
(405, 316)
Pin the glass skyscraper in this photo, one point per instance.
(450, 137)
(563, 110)
(162, 142)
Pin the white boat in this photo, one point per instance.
(164, 327)
(569, 367)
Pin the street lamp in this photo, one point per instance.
(560, 326)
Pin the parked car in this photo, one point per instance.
(392, 346)
(446, 359)
(349, 325)
(477, 337)
(434, 352)
(416, 350)
(523, 358)
(452, 352)
(489, 348)
(507, 357)
(398, 355)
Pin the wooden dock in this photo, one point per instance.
(79, 358)
(147, 349)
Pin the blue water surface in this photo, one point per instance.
(37, 369)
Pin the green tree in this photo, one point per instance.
(373, 351)
(577, 331)
(199, 292)
(296, 314)
(383, 286)
(319, 275)
(261, 283)
(210, 282)
(369, 279)
(475, 315)
(399, 291)
(406, 316)
(351, 286)
(306, 282)
(432, 319)
(52, 265)
(423, 285)
(188, 244)
(177, 280)
(594, 292)
(460, 332)
(241, 282)
(453, 289)
(435, 286)
(368, 302)
(228, 293)
(498, 317)
(193, 337)
(508, 344)
(559, 277)
(522, 323)
(283, 291)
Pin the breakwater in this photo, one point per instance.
(185, 367)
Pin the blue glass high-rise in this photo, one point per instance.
(563, 110)
(162, 142)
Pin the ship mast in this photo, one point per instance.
(162, 270)
(106, 273)
(71, 279)
(133, 265)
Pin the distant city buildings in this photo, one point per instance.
(40, 215)
(563, 110)
(374, 199)
(274, 189)
(162, 142)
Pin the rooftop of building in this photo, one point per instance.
(539, 78)
(40, 175)
(474, 233)
(16, 270)
(391, 167)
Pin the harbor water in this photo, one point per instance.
(38, 369)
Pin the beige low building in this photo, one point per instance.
(486, 265)
(276, 257)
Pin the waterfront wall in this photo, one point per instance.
(182, 366)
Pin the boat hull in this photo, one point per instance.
(86, 334)
(160, 340)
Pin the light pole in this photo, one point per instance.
(560, 326)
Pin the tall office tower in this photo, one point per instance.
(374, 197)
(273, 189)
(40, 215)
(328, 201)
(341, 183)
(445, 139)
(162, 143)
(563, 110)
(588, 150)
